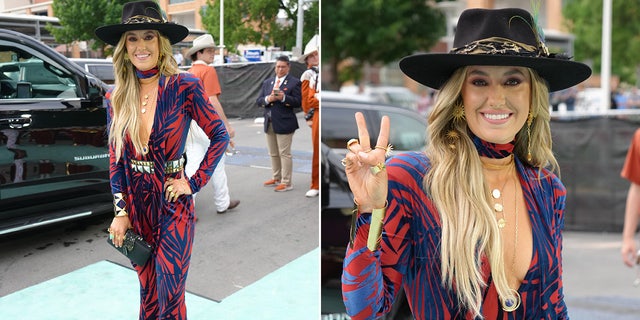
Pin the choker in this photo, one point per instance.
(493, 150)
(147, 74)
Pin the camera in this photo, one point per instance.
(309, 115)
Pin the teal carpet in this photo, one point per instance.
(105, 290)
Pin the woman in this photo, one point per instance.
(472, 227)
(149, 111)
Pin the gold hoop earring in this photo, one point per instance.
(529, 122)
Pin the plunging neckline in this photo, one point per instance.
(152, 117)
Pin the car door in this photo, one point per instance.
(53, 154)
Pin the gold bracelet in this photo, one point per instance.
(375, 228)
(119, 204)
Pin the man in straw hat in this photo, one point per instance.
(202, 54)
(471, 228)
(149, 112)
(310, 85)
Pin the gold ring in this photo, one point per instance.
(387, 150)
(378, 167)
(173, 194)
(345, 162)
(170, 188)
(350, 142)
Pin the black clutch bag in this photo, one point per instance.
(134, 248)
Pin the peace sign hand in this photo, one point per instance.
(365, 168)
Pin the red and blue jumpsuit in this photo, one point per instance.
(167, 226)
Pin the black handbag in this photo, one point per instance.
(134, 248)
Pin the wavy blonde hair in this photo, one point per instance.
(457, 187)
(125, 97)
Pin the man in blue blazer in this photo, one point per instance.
(280, 96)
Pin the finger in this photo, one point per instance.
(363, 133)
(383, 136)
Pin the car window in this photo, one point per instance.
(337, 124)
(406, 133)
(25, 76)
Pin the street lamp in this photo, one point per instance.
(300, 25)
(222, 31)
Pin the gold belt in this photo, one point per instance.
(172, 166)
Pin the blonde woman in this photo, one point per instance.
(471, 228)
(149, 112)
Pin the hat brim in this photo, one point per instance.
(198, 48)
(433, 70)
(111, 34)
(303, 57)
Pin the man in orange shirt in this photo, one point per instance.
(202, 54)
(310, 106)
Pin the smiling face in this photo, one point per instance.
(496, 101)
(143, 48)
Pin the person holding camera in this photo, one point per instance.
(279, 96)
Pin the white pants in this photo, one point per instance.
(196, 146)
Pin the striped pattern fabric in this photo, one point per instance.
(167, 226)
(409, 254)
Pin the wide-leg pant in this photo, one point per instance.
(163, 278)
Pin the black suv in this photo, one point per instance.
(53, 150)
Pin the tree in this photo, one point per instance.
(584, 20)
(374, 32)
(256, 22)
(79, 19)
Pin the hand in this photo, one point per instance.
(118, 228)
(231, 131)
(173, 188)
(369, 188)
(310, 123)
(629, 253)
(276, 96)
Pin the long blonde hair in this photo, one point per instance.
(457, 187)
(125, 97)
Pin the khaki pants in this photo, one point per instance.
(279, 146)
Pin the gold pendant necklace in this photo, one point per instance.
(499, 207)
(511, 304)
(497, 193)
(144, 103)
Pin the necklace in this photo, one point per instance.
(511, 304)
(497, 193)
(492, 166)
(145, 103)
(499, 207)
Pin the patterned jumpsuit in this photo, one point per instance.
(167, 226)
(409, 254)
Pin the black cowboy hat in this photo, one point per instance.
(499, 37)
(142, 15)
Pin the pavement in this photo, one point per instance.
(259, 260)
(597, 285)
